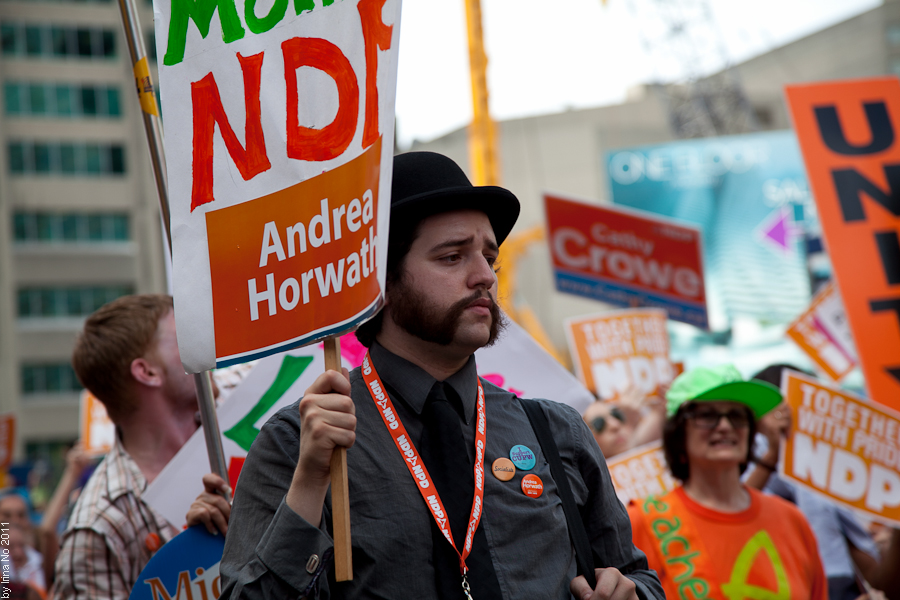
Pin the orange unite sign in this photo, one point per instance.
(843, 447)
(616, 350)
(848, 134)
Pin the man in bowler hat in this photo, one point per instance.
(427, 521)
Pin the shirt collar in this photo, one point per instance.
(412, 383)
(123, 474)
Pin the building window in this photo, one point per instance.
(19, 39)
(65, 158)
(893, 34)
(52, 378)
(70, 227)
(67, 301)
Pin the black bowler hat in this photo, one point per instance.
(427, 183)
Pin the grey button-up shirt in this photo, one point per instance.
(269, 546)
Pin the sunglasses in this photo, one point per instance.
(708, 418)
(599, 424)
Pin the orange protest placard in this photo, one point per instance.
(7, 440)
(843, 446)
(822, 332)
(641, 472)
(616, 350)
(848, 134)
(98, 433)
(285, 269)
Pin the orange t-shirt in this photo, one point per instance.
(765, 552)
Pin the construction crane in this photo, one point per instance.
(704, 98)
(484, 160)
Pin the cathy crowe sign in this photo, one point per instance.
(627, 258)
(844, 447)
(279, 124)
(621, 349)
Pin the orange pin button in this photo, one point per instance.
(152, 542)
(503, 469)
(532, 486)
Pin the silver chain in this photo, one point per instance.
(465, 587)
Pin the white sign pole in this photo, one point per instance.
(150, 114)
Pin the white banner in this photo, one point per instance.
(279, 138)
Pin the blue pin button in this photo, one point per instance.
(522, 457)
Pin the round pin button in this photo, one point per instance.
(532, 486)
(522, 457)
(503, 469)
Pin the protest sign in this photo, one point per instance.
(516, 362)
(7, 440)
(848, 134)
(98, 432)
(627, 258)
(617, 350)
(843, 447)
(185, 568)
(823, 333)
(749, 195)
(641, 472)
(280, 226)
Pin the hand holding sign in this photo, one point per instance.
(328, 422)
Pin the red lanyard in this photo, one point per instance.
(417, 468)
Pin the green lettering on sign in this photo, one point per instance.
(737, 587)
(201, 12)
(245, 430)
(264, 24)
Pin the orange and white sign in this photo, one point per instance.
(7, 440)
(98, 433)
(279, 128)
(849, 132)
(823, 333)
(616, 350)
(844, 447)
(641, 472)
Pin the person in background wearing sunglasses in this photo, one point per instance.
(611, 429)
(713, 537)
(631, 420)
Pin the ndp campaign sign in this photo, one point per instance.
(618, 350)
(844, 447)
(279, 129)
(641, 472)
(822, 331)
(627, 258)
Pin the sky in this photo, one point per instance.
(547, 56)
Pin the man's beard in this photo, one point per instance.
(414, 313)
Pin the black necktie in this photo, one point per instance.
(444, 452)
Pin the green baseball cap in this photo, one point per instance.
(723, 382)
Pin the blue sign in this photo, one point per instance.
(186, 567)
(750, 196)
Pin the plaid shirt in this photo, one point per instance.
(111, 534)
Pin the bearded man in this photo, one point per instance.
(422, 429)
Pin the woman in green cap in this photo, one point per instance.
(713, 537)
